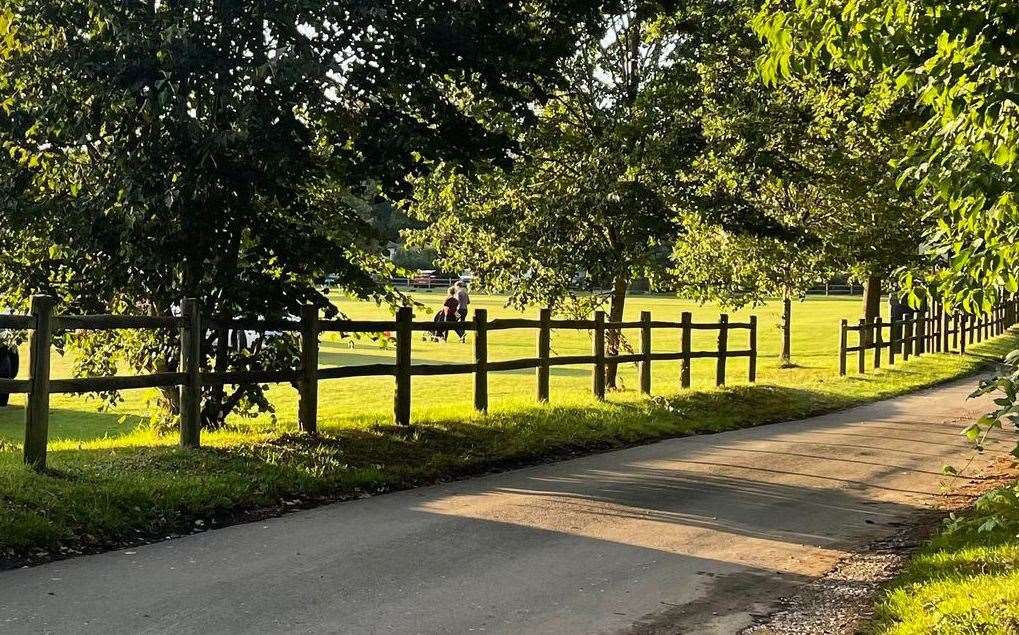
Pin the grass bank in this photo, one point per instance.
(104, 491)
(966, 580)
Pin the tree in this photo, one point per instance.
(592, 199)
(739, 269)
(790, 154)
(229, 150)
(959, 64)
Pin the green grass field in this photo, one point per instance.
(112, 477)
(365, 401)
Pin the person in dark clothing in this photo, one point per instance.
(8, 368)
(449, 311)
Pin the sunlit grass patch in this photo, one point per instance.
(961, 582)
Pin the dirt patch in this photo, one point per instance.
(730, 594)
(843, 600)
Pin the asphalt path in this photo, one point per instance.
(687, 535)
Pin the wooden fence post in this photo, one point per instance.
(962, 319)
(946, 327)
(937, 319)
(645, 351)
(723, 349)
(861, 353)
(481, 360)
(598, 374)
(404, 341)
(752, 364)
(308, 405)
(685, 348)
(843, 345)
(907, 337)
(920, 329)
(37, 410)
(878, 341)
(191, 366)
(891, 339)
(544, 350)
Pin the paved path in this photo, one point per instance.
(685, 535)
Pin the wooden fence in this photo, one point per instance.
(192, 375)
(931, 330)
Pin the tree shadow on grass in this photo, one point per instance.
(82, 425)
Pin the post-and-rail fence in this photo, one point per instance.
(192, 375)
(930, 330)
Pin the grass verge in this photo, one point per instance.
(966, 580)
(109, 492)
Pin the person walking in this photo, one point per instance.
(463, 299)
(450, 308)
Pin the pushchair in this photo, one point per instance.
(441, 330)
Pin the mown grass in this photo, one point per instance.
(964, 581)
(111, 478)
(362, 402)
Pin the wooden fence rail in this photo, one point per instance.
(931, 330)
(193, 374)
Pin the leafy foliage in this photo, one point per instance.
(231, 151)
(957, 65)
(590, 198)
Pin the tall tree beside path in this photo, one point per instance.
(958, 63)
(792, 155)
(958, 68)
(229, 150)
(593, 195)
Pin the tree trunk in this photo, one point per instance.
(898, 313)
(785, 360)
(213, 413)
(169, 395)
(871, 305)
(613, 337)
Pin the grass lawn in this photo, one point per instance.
(366, 401)
(963, 581)
(111, 477)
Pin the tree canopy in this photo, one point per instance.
(228, 150)
(956, 65)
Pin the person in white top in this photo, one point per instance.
(461, 311)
